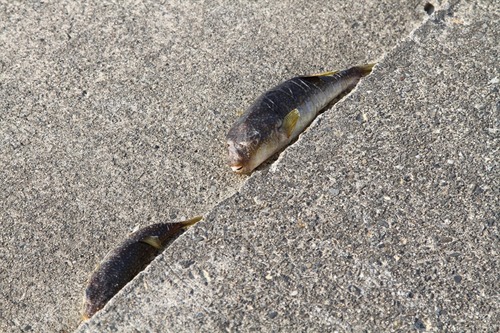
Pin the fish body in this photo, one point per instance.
(279, 115)
(124, 262)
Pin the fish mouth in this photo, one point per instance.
(237, 168)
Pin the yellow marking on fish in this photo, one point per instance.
(154, 241)
(325, 73)
(290, 121)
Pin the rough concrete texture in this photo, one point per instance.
(380, 216)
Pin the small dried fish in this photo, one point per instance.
(282, 113)
(123, 263)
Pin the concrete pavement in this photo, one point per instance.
(114, 116)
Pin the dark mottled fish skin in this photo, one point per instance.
(127, 260)
(257, 134)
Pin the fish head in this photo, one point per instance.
(89, 309)
(240, 153)
(93, 300)
(248, 146)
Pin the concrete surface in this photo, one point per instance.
(381, 215)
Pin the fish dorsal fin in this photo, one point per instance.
(323, 74)
(290, 121)
(154, 241)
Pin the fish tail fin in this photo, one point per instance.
(364, 70)
(186, 224)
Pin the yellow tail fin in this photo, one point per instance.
(366, 69)
(186, 224)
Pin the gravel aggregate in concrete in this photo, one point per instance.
(383, 216)
(113, 116)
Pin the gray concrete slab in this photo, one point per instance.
(382, 217)
(113, 116)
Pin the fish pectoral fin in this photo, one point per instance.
(290, 122)
(324, 73)
(154, 241)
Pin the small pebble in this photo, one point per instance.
(419, 325)
(272, 314)
(334, 191)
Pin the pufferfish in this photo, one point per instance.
(279, 115)
(125, 261)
